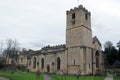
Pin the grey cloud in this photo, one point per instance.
(35, 23)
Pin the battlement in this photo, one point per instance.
(80, 7)
(54, 47)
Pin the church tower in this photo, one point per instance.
(78, 39)
(78, 30)
(83, 52)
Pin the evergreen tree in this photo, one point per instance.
(110, 53)
(118, 45)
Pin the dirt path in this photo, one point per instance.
(109, 77)
(2, 78)
(46, 77)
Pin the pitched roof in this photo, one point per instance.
(96, 39)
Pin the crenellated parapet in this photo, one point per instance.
(53, 47)
(80, 7)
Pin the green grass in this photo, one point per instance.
(19, 75)
(68, 77)
(32, 76)
(116, 77)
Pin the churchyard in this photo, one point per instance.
(19, 75)
(70, 77)
(73, 77)
(24, 75)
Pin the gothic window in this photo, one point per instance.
(37, 63)
(97, 59)
(86, 16)
(74, 61)
(58, 63)
(73, 16)
(42, 63)
(48, 68)
(34, 63)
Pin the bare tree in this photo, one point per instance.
(16, 45)
(1, 47)
(9, 44)
(12, 46)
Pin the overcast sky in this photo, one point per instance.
(37, 23)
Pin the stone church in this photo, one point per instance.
(81, 54)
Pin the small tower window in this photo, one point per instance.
(86, 16)
(74, 61)
(73, 16)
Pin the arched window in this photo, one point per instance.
(73, 16)
(97, 59)
(34, 63)
(86, 16)
(48, 68)
(37, 63)
(42, 63)
(58, 63)
(74, 61)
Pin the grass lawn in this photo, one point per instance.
(116, 77)
(19, 75)
(61, 77)
(32, 76)
(68, 77)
